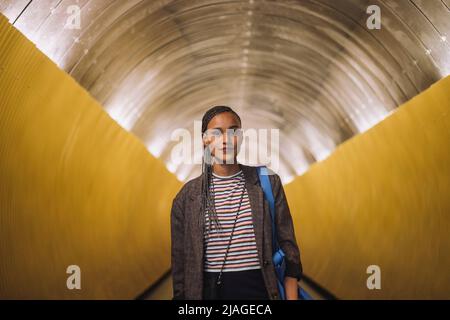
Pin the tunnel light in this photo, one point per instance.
(301, 165)
(321, 153)
(172, 167)
(181, 177)
(365, 121)
(124, 119)
(185, 172)
(285, 179)
(122, 106)
(319, 143)
(156, 147)
(301, 169)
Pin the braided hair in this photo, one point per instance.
(207, 197)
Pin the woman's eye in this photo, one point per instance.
(214, 133)
(236, 132)
(231, 132)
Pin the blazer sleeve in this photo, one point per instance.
(285, 230)
(177, 252)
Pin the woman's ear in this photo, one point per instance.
(207, 156)
(206, 141)
(206, 144)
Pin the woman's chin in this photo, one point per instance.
(225, 159)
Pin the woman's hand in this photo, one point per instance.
(291, 287)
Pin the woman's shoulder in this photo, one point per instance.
(189, 189)
(274, 178)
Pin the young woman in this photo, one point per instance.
(221, 226)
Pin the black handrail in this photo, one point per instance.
(318, 289)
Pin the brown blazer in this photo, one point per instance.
(187, 235)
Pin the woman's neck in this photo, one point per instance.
(226, 169)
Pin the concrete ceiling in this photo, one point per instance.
(310, 68)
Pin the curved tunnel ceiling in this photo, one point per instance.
(310, 68)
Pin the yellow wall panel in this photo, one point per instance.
(382, 198)
(75, 187)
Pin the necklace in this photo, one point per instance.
(218, 282)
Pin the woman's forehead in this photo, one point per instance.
(224, 120)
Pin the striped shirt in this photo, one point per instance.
(242, 253)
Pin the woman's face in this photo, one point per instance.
(224, 137)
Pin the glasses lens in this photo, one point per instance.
(236, 132)
(216, 133)
(213, 133)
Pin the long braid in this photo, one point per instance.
(208, 198)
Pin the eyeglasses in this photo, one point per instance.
(217, 133)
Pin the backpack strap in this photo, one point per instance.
(267, 190)
(278, 254)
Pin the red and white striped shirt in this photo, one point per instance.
(242, 254)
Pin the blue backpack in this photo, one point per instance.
(278, 254)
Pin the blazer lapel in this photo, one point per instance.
(197, 221)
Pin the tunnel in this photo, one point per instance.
(94, 93)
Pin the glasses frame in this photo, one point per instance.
(231, 132)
